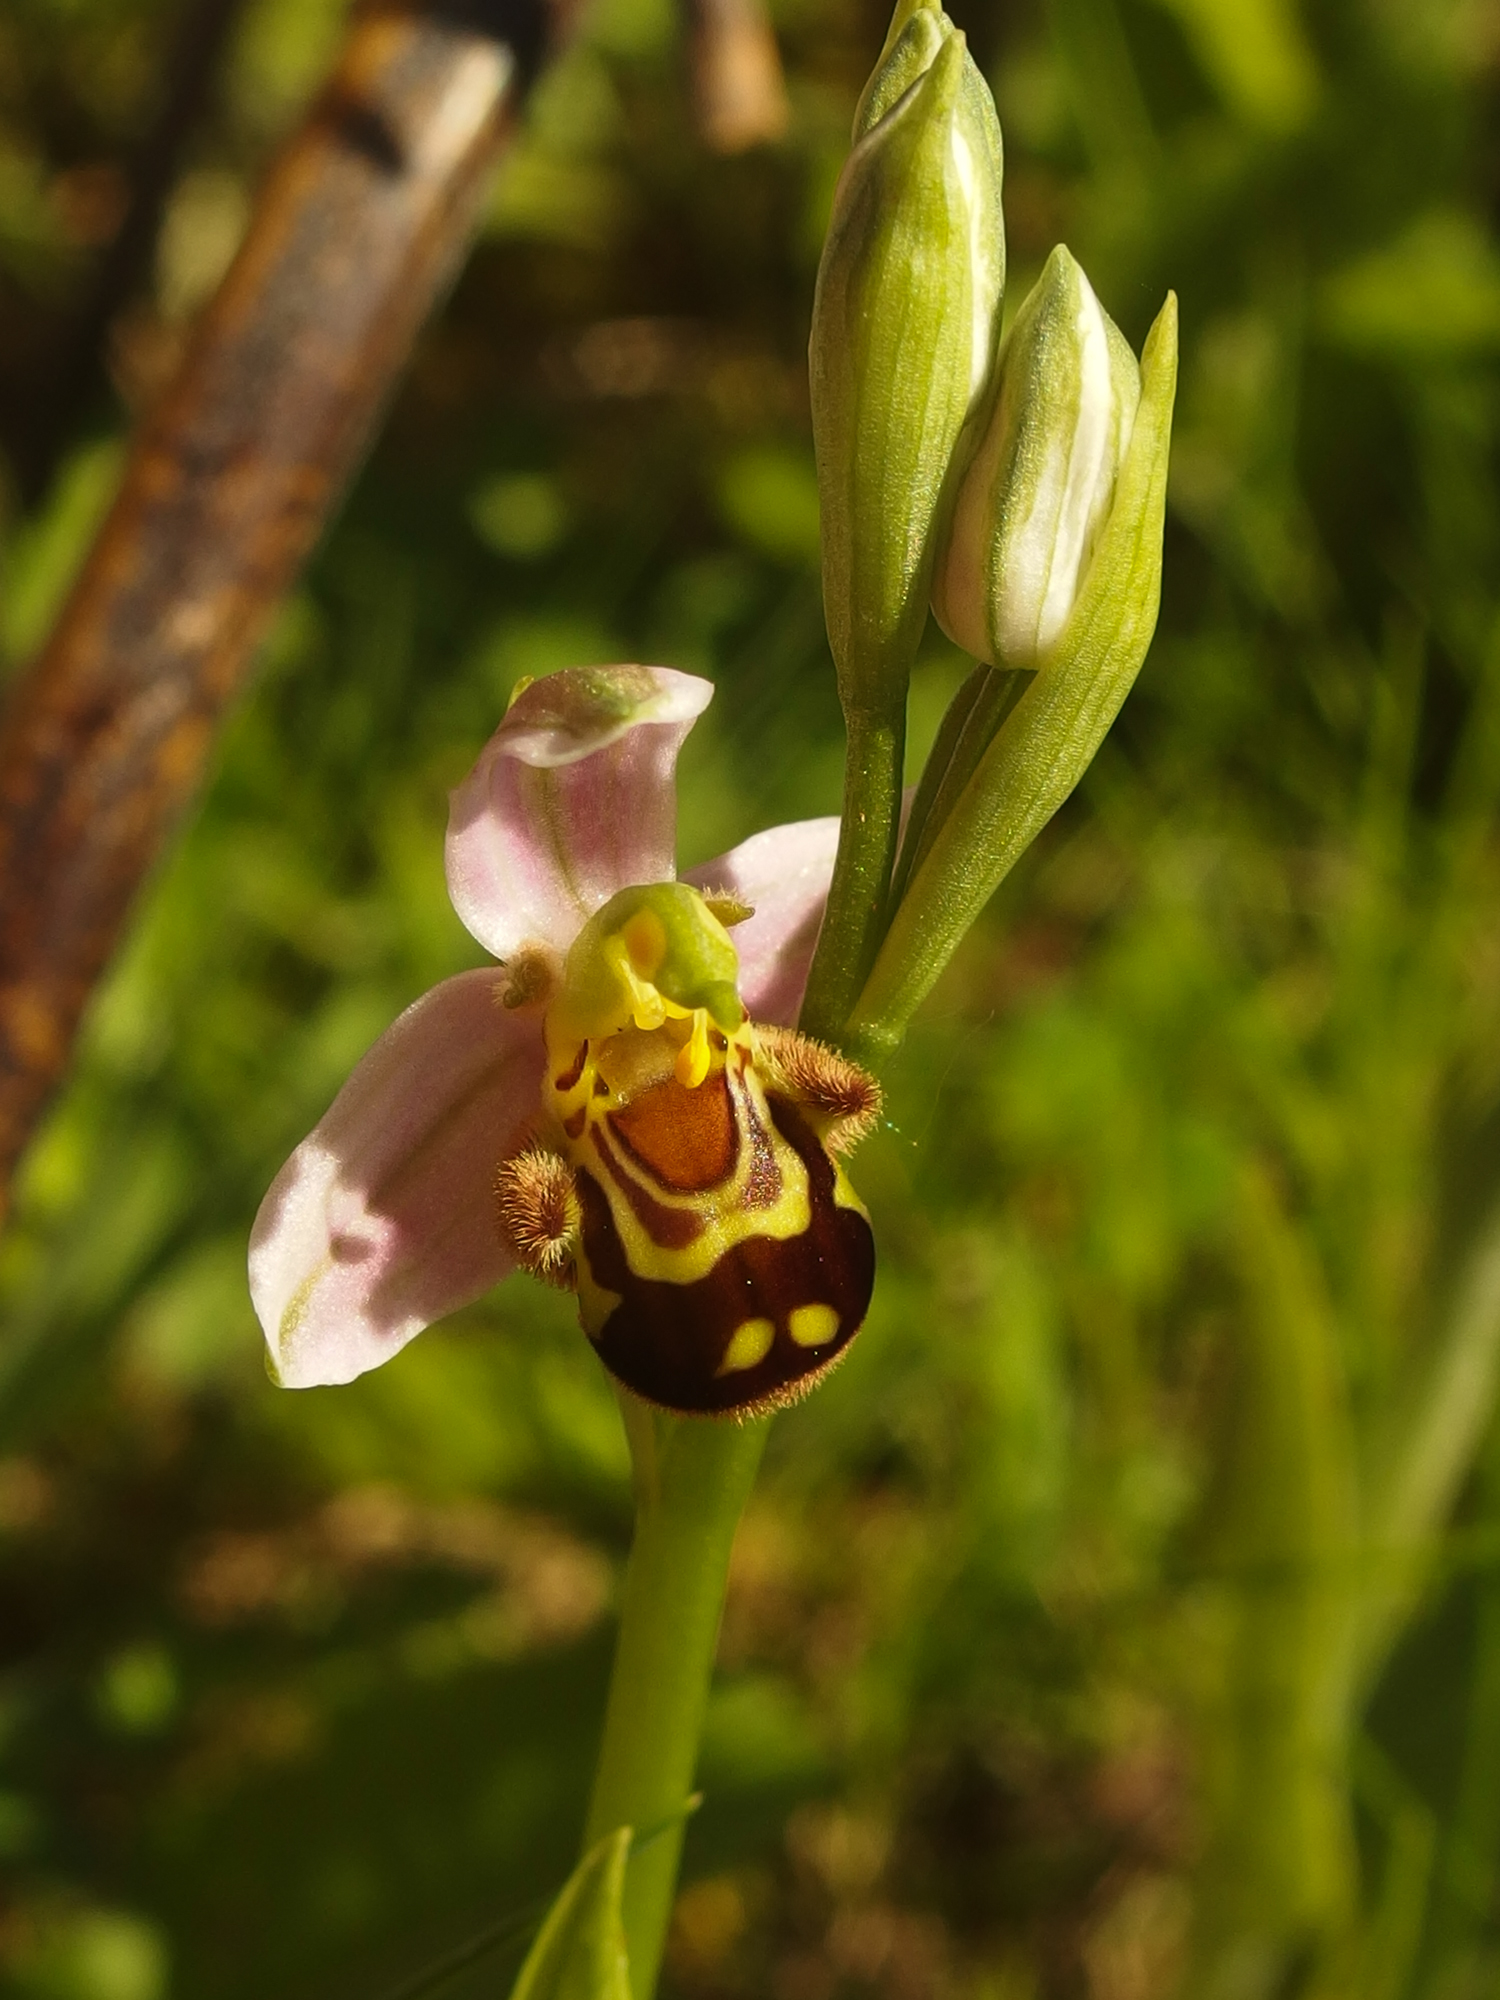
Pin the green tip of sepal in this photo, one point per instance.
(903, 14)
(945, 74)
(1159, 355)
(917, 33)
(579, 1953)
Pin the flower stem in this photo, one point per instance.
(692, 1478)
(855, 920)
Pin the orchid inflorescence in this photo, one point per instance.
(648, 1097)
(625, 1105)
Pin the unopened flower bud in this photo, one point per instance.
(905, 323)
(1038, 491)
(1108, 522)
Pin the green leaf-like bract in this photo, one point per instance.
(579, 1952)
(1049, 738)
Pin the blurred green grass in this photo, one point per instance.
(1122, 1619)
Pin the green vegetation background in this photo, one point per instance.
(1124, 1618)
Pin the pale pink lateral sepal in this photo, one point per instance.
(783, 874)
(572, 799)
(384, 1218)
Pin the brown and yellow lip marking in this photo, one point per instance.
(568, 1080)
(684, 1137)
(688, 1186)
(671, 1326)
(669, 1227)
(725, 1298)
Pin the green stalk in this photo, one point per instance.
(857, 898)
(692, 1478)
(974, 719)
(950, 735)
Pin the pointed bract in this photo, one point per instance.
(1045, 740)
(579, 1953)
(918, 30)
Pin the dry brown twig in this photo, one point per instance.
(739, 91)
(358, 229)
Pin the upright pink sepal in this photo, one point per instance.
(384, 1217)
(571, 799)
(783, 874)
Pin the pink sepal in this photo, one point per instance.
(783, 874)
(571, 799)
(384, 1217)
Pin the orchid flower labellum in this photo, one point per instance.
(621, 1108)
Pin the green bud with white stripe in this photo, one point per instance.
(1038, 491)
(905, 325)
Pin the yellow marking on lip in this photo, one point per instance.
(812, 1326)
(749, 1343)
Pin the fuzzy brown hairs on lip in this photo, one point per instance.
(539, 1214)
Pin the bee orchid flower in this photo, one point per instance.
(619, 1105)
